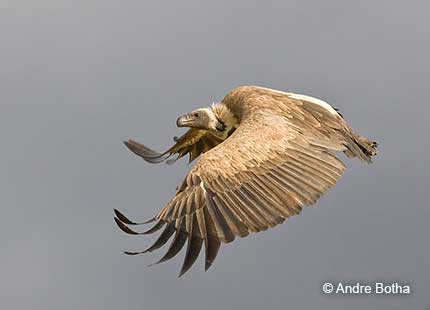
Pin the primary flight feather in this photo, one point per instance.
(264, 154)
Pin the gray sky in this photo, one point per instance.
(78, 77)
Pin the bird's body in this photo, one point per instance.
(263, 155)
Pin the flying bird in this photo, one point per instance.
(263, 155)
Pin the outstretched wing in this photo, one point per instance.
(265, 172)
(194, 142)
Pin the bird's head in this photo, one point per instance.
(216, 119)
(202, 118)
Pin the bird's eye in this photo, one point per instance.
(196, 114)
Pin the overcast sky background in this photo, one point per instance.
(79, 77)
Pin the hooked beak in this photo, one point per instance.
(184, 120)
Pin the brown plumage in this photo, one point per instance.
(264, 154)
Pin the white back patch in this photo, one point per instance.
(317, 101)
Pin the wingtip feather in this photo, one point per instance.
(127, 221)
(145, 152)
(123, 218)
(125, 228)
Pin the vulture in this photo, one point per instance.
(263, 155)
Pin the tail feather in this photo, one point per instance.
(368, 146)
(361, 147)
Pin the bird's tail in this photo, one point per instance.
(361, 147)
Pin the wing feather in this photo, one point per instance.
(177, 243)
(194, 142)
(193, 246)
